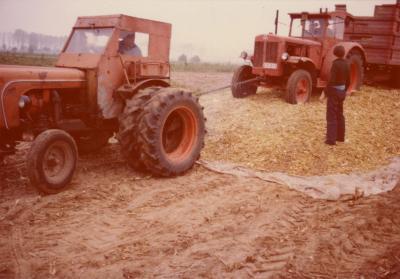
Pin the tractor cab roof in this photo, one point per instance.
(340, 11)
(95, 37)
(125, 22)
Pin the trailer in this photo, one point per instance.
(380, 37)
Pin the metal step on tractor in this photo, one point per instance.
(112, 76)
(301, 62)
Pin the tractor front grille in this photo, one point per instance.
(258, 58)
(265, 52)
(271, 52)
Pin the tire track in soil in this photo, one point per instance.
(261, 256)
(352, 236)
(22, 266)
(200, 224)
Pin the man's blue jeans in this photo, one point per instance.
(335, 120)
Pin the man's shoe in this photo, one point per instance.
(330, 142)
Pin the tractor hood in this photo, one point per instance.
(12, 73)
(17, 80)
(294, 40)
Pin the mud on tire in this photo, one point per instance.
(172, 132)
(129, 126)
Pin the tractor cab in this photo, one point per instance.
(120, 55)
(319, 26)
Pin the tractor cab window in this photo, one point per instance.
(133, 43)
(92, 40)
(336, 28)
(314, 28)
(308, 28)
(296, 29)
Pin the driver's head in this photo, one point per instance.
(129, 40)
(339, 51)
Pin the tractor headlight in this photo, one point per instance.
(24, 102)
(285, 56)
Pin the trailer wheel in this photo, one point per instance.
(356, 71)
(129, 126)
(299, 87)
(92, 142)
(172, 132)
(241, 74)
(51, 161)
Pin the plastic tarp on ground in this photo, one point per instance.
(329, 187)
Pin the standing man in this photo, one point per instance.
(338, 84)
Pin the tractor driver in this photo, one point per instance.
(127, 46)
(316, 28)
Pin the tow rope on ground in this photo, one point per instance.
(227, 86)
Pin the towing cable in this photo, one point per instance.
(227, 86)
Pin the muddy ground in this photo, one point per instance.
(117, 223)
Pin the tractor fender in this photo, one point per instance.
(304, 63)
(330, 57)
(150, 82)
(127, 91)
(299, 59)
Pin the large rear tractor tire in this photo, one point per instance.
(51, 161)
(356, 71)
(395, 80)
(299, 87)
(242, 74)
(92, 142)
(172, 132)
(129, 127)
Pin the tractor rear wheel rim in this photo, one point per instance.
(57, 162)
(179, 133)
(302, 90)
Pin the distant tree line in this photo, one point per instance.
(22, 41)
(184, 60)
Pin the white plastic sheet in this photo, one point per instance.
(329, 187)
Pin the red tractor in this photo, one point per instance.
(300, 62)
(112, 76)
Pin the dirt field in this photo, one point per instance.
(116, 223)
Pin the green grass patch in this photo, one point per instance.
(12, 58)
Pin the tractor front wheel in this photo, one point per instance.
(242, 74)
(299, 87)
(51, 161)
(171, 132)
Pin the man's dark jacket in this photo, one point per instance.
(340, 73)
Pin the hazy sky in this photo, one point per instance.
(215, 30)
